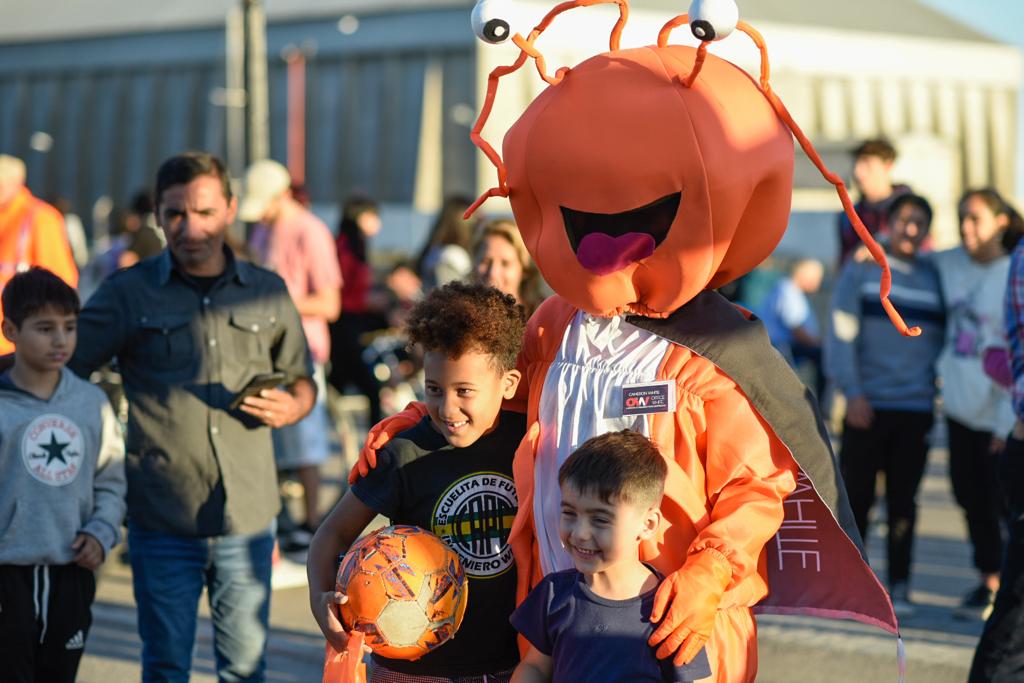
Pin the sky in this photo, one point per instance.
(1003, 20)
(999, 18)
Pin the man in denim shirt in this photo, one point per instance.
(189, 328)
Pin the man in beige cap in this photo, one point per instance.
(298, 246)
(31, 232)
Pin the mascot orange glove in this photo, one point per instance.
(692, 594)
(381, 433)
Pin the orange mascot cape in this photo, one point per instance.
(642, 179)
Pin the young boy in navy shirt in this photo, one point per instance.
(593, 622)
(452, 475)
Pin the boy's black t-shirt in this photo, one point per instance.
(465, 496)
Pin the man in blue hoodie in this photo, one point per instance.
(888, 381)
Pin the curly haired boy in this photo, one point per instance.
(450, 474)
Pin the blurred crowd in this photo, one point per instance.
(891, 398)
(352, 302)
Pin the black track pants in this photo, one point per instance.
(45, 614)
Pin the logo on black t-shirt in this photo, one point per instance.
(474, 516)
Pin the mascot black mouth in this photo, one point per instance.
(607, 242)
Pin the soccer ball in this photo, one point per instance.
(406, 591)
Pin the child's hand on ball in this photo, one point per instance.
(330, 622)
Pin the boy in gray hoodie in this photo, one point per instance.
(62, 486)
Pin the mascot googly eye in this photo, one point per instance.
(492, 20)
(713, 19)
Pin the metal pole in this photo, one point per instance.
(233, 97)
(256, 81)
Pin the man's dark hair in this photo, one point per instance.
(618, 467)
(34, 291)
(914, 200)
(183, 168)
(141, 203)
(461, 318)
(875, 147)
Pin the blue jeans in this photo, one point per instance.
(168, 575)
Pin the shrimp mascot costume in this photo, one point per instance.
(642, 179)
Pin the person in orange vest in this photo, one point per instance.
(31, 232)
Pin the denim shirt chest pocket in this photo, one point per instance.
(252, 338)
(166, 341)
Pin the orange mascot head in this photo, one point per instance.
(642, 176)
(635, 192)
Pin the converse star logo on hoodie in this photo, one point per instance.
(52, 448)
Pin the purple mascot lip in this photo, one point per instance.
(602, 254)
(608, 242)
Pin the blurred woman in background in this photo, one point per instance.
(445, 256)
(360, 311)
(978, 410)
(500, 259)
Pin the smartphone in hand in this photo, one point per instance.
(257, 384)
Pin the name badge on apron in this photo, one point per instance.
(652, 397)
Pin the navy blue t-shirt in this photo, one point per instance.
(593, 638)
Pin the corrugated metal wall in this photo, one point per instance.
(117, 107)
(110, 128)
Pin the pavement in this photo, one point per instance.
(938, 646)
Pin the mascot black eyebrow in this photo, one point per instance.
(641, 180)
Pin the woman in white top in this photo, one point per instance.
(445, 256)
(978, 411)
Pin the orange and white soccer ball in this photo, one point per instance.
(406, 591)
